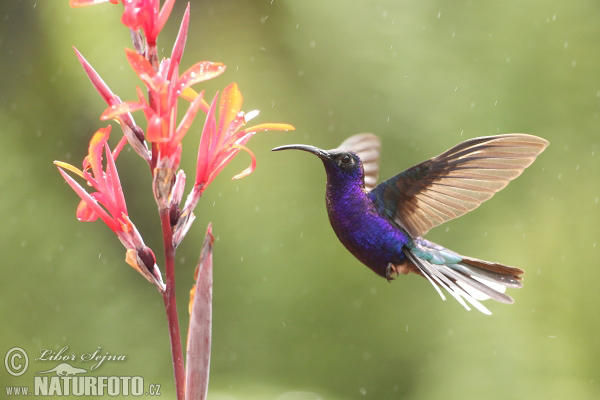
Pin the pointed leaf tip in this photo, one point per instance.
(199, 335)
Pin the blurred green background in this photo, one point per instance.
(295, 315)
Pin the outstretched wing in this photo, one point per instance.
(367, 146)
(456, 181)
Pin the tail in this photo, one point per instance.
(463, 277)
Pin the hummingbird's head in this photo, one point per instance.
(340, 164)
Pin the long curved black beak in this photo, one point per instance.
(322, 154)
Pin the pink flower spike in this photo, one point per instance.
(97, 81)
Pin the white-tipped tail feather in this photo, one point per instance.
(469, 280)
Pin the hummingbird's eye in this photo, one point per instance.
(346, 159)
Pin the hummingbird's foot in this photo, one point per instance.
(390, 272)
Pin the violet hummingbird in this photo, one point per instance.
(383, 225)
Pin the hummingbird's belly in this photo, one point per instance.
(371, 238)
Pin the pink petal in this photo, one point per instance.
(222, 160)
(230, 106)
(95, 156)
(115, 185)
(181, 36)
(85, 212)
(140, 65)
(236, 123)
(155, 132)
(188, 118)
(204, 149)
(164, 13)
(270, 127)
(102, 88)
(252, 166)
(119, 147)
(199, 72)
(116, 110)
(91, 202)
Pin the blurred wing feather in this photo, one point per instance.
(368, 147)
(455, 182)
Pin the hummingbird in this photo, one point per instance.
(383, 225)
